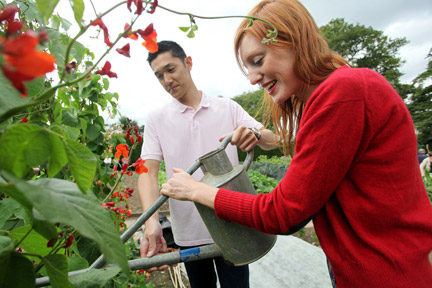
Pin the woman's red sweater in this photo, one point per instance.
(356, 170)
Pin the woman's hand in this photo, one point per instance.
(183, 186)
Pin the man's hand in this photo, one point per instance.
(243, 137)
(153, 243)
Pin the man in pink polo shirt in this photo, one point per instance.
(191, 125)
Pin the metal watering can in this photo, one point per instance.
(237, 244)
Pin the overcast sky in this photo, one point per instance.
(214, 68)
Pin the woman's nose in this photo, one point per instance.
(254, 77)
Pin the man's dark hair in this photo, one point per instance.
(166, 46)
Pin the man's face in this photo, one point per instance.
(173, 74)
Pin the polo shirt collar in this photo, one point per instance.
(205, 102)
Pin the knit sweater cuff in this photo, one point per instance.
(234, 206)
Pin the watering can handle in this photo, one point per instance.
(249, 156)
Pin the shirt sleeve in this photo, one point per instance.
(151, 148)
(243, 118)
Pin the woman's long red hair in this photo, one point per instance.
(314, 61)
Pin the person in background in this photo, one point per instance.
(421, 155)
(188, 127)
(107, 161)
(354, 169)
(425, 165)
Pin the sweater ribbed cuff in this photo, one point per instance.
(234, 206)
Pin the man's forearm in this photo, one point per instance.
(268, 140)
(148, 190)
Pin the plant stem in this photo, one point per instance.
(114, 187)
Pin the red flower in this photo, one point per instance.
(125, 50)
(8, 13)
(70, 66)
(14, 27)
(136, 129)
(24, 120)
(138, 4)
(43, 36)
(106, 70)
(101, 24)
(108, 205)
(131, 138)
(139, 166)
(128, 133)
(139, 138)
(124, 168)
(51, 242)
(154, 4)
(133, 36)
(69, 241)
(149, 35)
(23, 62)
(122, 149)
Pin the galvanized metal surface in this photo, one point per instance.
(239, 244)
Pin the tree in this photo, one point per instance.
(420, 104)
(252, 103)
(366, 47)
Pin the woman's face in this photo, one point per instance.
(270, 68)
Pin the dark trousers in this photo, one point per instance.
(201, 274)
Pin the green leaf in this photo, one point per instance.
(34, 243)
(9, 96)
(65, 24)
(43, 227)
(55, 22)
(77, 263)
(78, 8)
(78, 51)
(82, 163)
(58, 45)
(10, 265)
(23, 147)
(95, 278)
(184, 29)
(31, 11)
(46, 8)
(61, 201)
(57, 268)
(69, 119)
(191, 34)
(88, 249)
(7, 209)
(35, 87)
(84, 125)
(67, 132)
(58, 157)
(93, 131)
(6, 246)
(105, 83)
